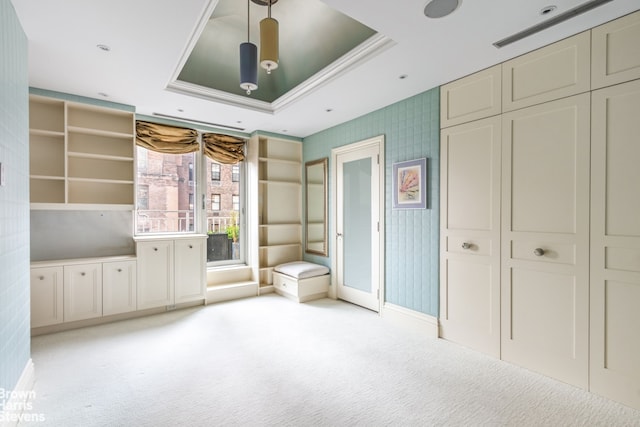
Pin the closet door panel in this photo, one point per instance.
(559, 70)
(545, 238)
(615, 236)
(471, 98)
(470, 233)
(616, 51)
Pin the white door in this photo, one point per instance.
(545, 238)
(358, 265)
(615, 248)
(470, 235)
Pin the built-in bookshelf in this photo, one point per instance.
(81, 155)
(280, 201)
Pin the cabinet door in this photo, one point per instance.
(559, 70)
(155, 274)
(82, 291)
(119, 287)
(616, 51)
(615, 250)
(545, 238)
(471, 98)
(46, 296)
(190, 279)
(470, 235)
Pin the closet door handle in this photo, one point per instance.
(466, 245)
(538, 251)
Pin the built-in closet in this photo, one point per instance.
(540, 232)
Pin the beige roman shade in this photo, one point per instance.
(166, 139)
(223, 148)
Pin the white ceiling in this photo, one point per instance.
(149, 40)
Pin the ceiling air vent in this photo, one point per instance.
(578, 10)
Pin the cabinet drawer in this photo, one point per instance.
(285, 284)
(556, 71)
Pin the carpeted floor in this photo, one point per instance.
(268, 361)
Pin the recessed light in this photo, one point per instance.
(103, 94)
(547, 9)
(285, 130)
(440, 8)
(328, 110)
(238, 121)
(403, 76)
(103, 47)
(180, 110)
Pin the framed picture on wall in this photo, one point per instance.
(410, 184)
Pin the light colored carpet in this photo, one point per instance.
(268, 361)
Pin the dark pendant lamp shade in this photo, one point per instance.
(248, 61)
(248, 67)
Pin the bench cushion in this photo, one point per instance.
(301, 269)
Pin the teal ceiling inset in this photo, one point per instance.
(312, 36)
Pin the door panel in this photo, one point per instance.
(470, 235)
(615, 250)
(545, 238)
(358, 263)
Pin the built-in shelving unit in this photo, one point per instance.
(81, 156)
(280, 201)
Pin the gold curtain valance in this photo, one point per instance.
(224, 149)
(166, 139)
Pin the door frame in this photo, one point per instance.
(377, 141)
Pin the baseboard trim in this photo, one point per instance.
(423, 323)
(18, 407)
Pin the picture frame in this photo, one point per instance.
(410, 184)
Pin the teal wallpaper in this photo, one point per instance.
(15, 339)
(412, 130)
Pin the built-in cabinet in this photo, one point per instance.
(279, 204)
(547, 208)
(171, 270)
(80, 289)
(80, 156)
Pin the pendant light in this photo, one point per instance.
(269, 42)
(248, 62)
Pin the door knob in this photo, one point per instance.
(538, 251)
(466, 245)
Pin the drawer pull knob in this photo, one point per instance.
(41, 277)
(155, 249)
(190, 246)
(119, 270)
(466, 245)
(83, 273)
(538, 252)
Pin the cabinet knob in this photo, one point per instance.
(41, 277)
(466, 245)
(119, 270)
(155, 249)
(82, 274)
(190, 246)
(538, 251)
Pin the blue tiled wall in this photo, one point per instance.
(14, 199)
(412, 130)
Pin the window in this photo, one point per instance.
(215, 202)
(235, 173)
(224, 222)
(215, 171)
(165, 199)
